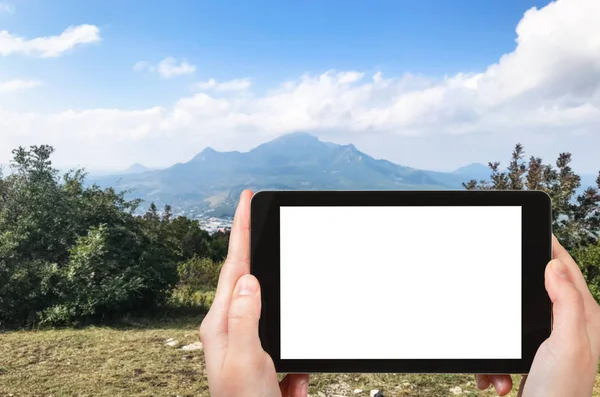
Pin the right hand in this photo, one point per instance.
(566, 364)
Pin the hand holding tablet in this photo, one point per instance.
(397, 281)
(237, 363)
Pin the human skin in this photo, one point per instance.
(566, 363)
(236, 364)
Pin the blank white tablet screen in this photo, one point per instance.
(400, 282)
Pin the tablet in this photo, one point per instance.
(402, 281)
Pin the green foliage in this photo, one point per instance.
(71, 253)
(588, 259)
(198, 279)
(199, 273)
(576, 217)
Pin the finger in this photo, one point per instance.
(239, 239)
(502, 383)
(236, 265)
(244, 314)
(482, 381)
(558, 252)
(298, 386)
(589, 303)
(522, 386)
(568, 308)
(284, 386)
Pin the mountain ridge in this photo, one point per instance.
(212, 180)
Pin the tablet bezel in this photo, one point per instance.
(536, 311)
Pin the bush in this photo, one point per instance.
(199, 273)
(588, 259)
(97, 281)
(70, 253)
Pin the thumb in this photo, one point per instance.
(568, 309)
(244, 314)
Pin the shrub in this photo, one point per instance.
(199, 273)
(70, 253)
(588, 259)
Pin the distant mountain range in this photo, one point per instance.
(212, 180)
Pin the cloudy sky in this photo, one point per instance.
(429, 84)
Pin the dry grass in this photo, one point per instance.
(134, 361)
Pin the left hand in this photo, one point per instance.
(236, 363)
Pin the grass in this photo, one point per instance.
(133, 360)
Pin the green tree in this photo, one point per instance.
(55, 233)
(191, 241)
(576, 216)
(588, 259)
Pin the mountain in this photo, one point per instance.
(212, 180)
(475, 170)
(135, 168)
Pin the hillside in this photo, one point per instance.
(212, 180)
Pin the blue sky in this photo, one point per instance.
(442, 45)
(267, 40)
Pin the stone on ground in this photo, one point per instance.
(192, 346)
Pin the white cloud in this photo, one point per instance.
(166, 68)
(6, 8)
(49, 46)
(546, 90)
(17, 85)
(141, 66)
(231, 85)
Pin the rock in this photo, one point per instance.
(356, 391)
(193, 346)
(173, 343)
(169, 340)
(456, 390)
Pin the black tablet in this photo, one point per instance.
(402, 281)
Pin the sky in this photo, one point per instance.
(430, 84)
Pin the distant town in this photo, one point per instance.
(214, 225)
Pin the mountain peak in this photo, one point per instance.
(288, 144)
(205, 154)
(136, 168)
(296, 137)
(476, 168)
(207, 150)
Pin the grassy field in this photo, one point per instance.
(134, 361)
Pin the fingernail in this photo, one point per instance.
(481, 384)
(560, 269)
(499, 386)
(247, 285)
